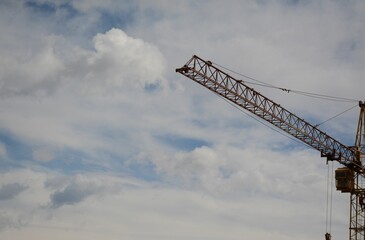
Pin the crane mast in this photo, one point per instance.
(348, 179)
(357, 196)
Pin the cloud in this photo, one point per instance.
(196, 208)
(89, 88)
(71, 195)
(80, 187)
(3, 151)
(30, 76)
(281, 56)
(109, 205)
(119, 62)
(43, 154)
(123, 62)
(11, 190)
(53, 86)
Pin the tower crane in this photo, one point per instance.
(349, 179)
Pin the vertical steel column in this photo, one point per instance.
(357, 196)
(357, 217)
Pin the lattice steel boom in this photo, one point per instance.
(236, 91)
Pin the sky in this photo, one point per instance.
(100, 138)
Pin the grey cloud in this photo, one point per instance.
(7, 222)
(72, 194)
(11, 190)
(118, 61)
(56, 182)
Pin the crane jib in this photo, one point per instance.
(206, 74)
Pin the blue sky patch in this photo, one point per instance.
(153, 87)
(153, 14)
(182, 143)
(43, 8)
(109, 20)
(145, 171)
(68, 161)
(50, 8)
(16, 150)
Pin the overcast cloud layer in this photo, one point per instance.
(101, 139)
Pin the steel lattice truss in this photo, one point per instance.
(357, 214)
(204, 73)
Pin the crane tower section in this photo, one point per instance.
(357, 195)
